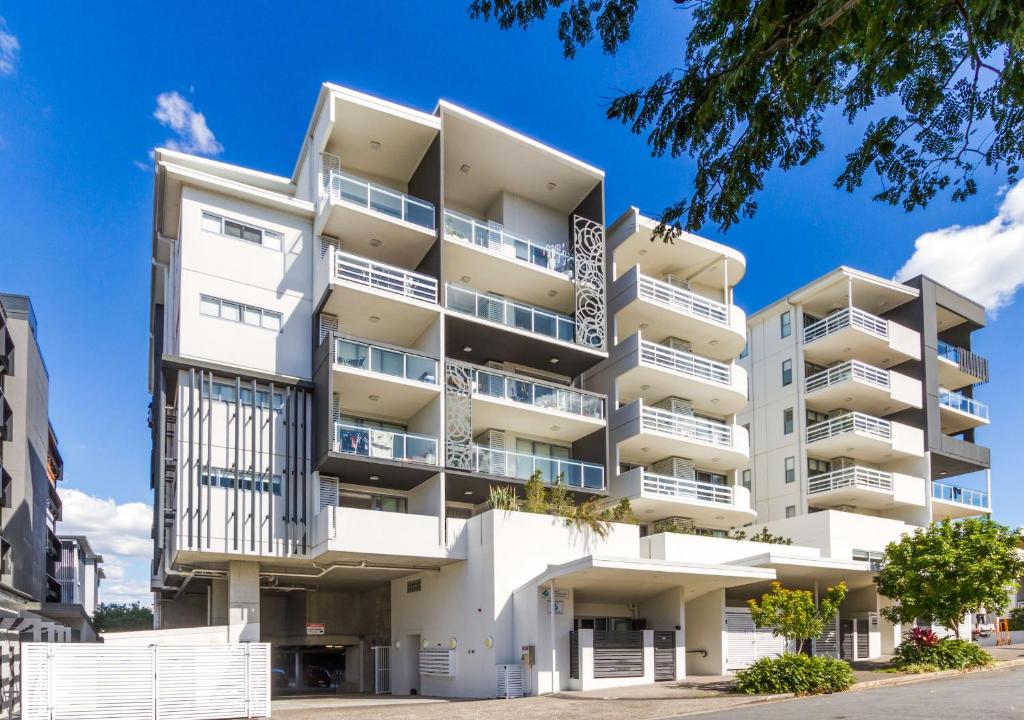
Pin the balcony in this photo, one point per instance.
(388, 538)
(661, 310)
(518, 466)
(959, 368)
(859, 386)
(374, 220)
(523, 405)
(954, 502)
(377, 380)
(857, 486)
(509, 313)
(853, 333)
(958, 413)
(507, 264)
(381, 444)
(647, 434)
(655, 497)
(864, 437)
(376, 300)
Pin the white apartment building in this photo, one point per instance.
(344, 361)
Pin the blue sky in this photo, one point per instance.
(78, 91)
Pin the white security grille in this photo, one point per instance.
(101, 682)
(437, 661)
(381, 669)
(510, 681)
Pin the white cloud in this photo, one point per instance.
(9, 47)
(175, 112)
(120, 532)
(984, 262)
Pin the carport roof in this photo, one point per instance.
(791, 570)
(612, 579)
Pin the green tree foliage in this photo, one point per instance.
(941, 83)
(947, 570)
(502, 497)
(793, 614)
(122, 617)
(762, 536)
(536, 498)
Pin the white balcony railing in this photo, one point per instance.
(545, 396)
(474, 232)
(959, 401)
(359, 270)
(685, 363)
(961, 495)
(385, 361)
(850, 477)
(851, 369)
(514, 314)
(384, 444)
(687, 427)
(380, 199)
(573, 473)
(683, 300)
(687, 489)
(850, 422)
(844, 318)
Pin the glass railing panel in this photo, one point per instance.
(959, 401)
(964, 496)
(573, 473)
(385, 361)
(385, 444)
(511, 313)
(381, 199)
(496, 238)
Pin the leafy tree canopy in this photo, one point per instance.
(943, 81)
(947, 570)
(122, 617)
(793, 614)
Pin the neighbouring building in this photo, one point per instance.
(345, 361)
(79, 572)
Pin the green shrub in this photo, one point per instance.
(795, 673)
(911, 669)
(946, 654)
(1017, 618)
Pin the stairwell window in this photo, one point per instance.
(270, 239)
(790, 511)
(787, 421)
(787, 372)
(237, 312)
(790, 469)
(785, 324)
(745, 479)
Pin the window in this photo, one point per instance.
(787, 421)
(813, 416)
(412, 586)
(745, 479)
(785, 324)
(790, 511)
(235, 312)
(746, 349)
(790, 467)
(710, 477)
(818, 467)
(223, 478)
(226, 393)
(787, 372)
(875, 559)
(240, 231)
(372, 501)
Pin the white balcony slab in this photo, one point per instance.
(362, 392)
(853, 333)
(645, 435)
(956, 502)
(864, 437)
(863, 487)
(858, 386)
(381, 538)
(655, 497)
(958, 412)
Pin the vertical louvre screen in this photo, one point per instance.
(664, 655)
(746, 642)
(574, 655)
(509, 681)
(618, 654)
(328, 492)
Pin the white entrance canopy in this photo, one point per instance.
(804, 572)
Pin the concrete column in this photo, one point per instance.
(243, 601)
(648, 636)
(218, 603)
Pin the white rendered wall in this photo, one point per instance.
(705, 630)
(838, 533)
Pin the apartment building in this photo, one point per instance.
(32, 468)
(344, 361)
(79, 572)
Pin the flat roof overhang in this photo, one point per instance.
(871, 293)
(621, 580)
(392, 474)
(805, 572)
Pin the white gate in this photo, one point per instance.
(155, 682)
(827, 644)
(381, 669)
(746, 642)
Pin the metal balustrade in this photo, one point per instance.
(380, 276)
(685, 301)
(512, 313)
(384, 444)
(854, 369)
(850, 422)
(686, 363)
(380, 199)
(959, 401)
(385, 361)
(850, 477)
(474, 232)
(686, 488)
(546, 396)
(847, 317)
(573, 473)
(961, 495)
(687, 426)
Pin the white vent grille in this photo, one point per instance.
(677, 344)
(328, 163)
(328, 492)
(328, 324)
(676, 467)
(510, 681)
(677, 282)
(677, 405)
(437, 661)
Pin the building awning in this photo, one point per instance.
(622, 580)
(804, 572)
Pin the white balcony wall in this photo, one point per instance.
(239, 271)
(905, 389)
(836, 533)
(907, 439)
(530, 219)
(904, 340)
(370, 532)
(677, 547)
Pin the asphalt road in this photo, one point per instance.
(983, 696)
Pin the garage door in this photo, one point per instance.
(745, 642)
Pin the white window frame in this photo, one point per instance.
(785, 324)
(789, 470)
(276, 237)
(242, 312)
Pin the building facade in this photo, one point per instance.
(346, 361)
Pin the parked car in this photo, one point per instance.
(316, 677)
(983, 627)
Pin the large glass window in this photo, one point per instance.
(818, 467)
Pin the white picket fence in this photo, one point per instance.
(155, 682)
